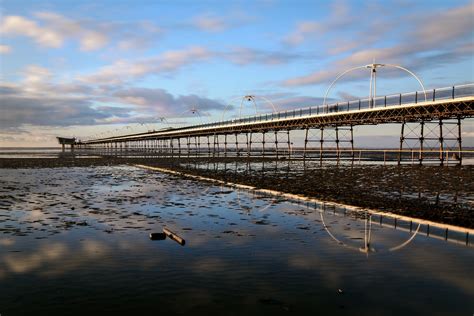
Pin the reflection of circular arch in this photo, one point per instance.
(373, 69)
(252, 199)
(367, 236)
(249, 98)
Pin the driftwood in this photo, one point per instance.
(173, 236)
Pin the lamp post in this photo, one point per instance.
(373, 80)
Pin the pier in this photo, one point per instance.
(430, 131)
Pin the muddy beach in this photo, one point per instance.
(440, 194)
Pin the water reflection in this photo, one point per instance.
(408, 189)
(82, 233)
(367, 245)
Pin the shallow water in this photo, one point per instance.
(75, 241)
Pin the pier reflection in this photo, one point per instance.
(428, 192)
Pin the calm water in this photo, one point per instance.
(74, 241)
(56, 152)
(29, 152)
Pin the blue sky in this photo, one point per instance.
(82, 68)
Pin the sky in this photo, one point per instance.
(101, 68)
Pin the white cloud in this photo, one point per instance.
(17, 25)
(39, 100)
(5, 49)
(161, 101)
(306, 30)
(446, 37)
(168, 62)
(49, 29)
(35, 77)
(91, 40)
(245, 56)
(446, 26)
(303, 30)
(210, 23)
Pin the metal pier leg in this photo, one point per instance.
(402, 139)
(213, 146)
(197, 145)
(338, 153)
(237, 143)
(321, 141)
(441, 142)
(188, 143)
(225, 145)
(216, 142)
(305, 144)
(276, 143)
(263, 144)
(289, 144)
(208, 146)
(459, 141)
(352, 143)
(420, 158)
(249, 144)
(179, 147)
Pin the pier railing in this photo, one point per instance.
(433, 95)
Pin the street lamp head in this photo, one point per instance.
(374, 65)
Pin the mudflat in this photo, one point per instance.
(438, 193)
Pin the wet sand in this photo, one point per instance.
(74, 241)
(440, 194)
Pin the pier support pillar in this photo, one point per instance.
(225, 145)
(289, 144)
(436, 141)
(305, 143)
(237, 144)
(249, 144)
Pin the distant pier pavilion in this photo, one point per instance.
(63, 141)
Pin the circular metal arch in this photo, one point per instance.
(373, 66)
(194, 111)
(249, 98)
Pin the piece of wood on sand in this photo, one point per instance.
(173, 236)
